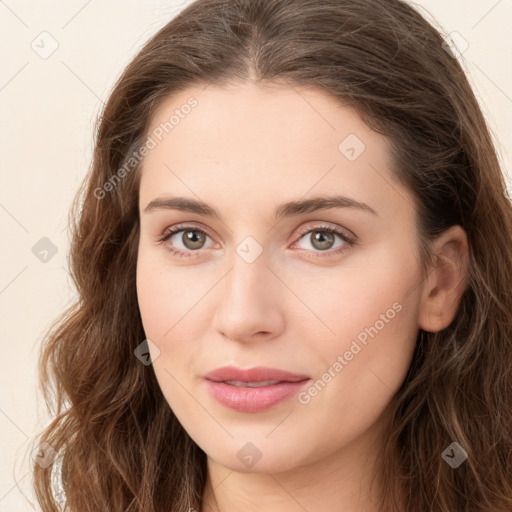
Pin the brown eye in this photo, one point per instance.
(193, 239)
(322, 240)
(190, 242)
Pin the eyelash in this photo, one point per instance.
(349, 240)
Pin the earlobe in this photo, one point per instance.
(445, 281)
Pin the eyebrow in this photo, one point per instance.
(288, 209)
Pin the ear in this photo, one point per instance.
(446, 280)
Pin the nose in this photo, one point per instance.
(250, 304)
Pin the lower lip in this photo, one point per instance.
(245, 399)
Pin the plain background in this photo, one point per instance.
(49, 104)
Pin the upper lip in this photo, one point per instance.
(256, 374)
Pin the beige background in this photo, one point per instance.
(48, 107)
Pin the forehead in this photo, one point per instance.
(306, 120)
(263, 142)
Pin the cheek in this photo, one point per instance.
(373, 312)
(380, 286)
(166, 294)
(153, 294)
(361, 367)
(171, 302)
(367, 314)
(166, 302)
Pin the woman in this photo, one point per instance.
(293, 261)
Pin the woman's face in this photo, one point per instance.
(265, 284)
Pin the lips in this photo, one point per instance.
(255, 389)
(254, 376)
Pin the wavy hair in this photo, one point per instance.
(122, 448)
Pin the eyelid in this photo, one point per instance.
(184, 226)
(320, 224)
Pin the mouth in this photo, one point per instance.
(253, 390)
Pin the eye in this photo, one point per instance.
(192, 240)
(322, 238)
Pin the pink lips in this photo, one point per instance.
(252, 399)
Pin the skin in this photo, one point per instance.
(245, 149)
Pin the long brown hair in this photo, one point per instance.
(122, 448)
